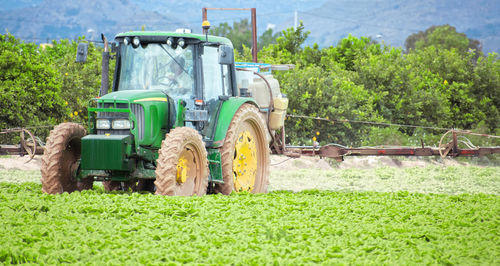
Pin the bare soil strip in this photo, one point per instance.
(382, 174)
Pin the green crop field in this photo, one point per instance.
(328, 227)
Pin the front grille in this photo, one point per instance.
(111, 116)
(114, 132)
(112, 105)
(138, 111)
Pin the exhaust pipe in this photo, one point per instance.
(105, 68)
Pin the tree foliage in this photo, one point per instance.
(80, 81)
(341, 98)
(437, 84)
(447, 86)
(43, 86)
(29, 85)
(240, 34)
(442, 37)
(288, 46)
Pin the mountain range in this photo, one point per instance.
(389, 21)
(392, 21)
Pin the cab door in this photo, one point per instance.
(218, 83)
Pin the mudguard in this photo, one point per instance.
(226, 114)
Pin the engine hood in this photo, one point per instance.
(135, 96)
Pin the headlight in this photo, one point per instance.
(121, 124)
(171, 42)
(103, 124)
(182, 43)
(136, 42)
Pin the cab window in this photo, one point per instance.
(212, 74)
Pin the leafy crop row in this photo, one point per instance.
(279, 227)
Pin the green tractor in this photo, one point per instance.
(182, 119)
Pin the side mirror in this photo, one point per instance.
(226, 55)
(81, 52)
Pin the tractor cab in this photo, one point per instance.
(157, 66)
(193, 71)
(183, 65)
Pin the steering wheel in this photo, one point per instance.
(167, 81)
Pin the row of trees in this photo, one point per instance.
(442, 80)
(43, 86)
(240, 35)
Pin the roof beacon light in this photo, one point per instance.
(205, 25)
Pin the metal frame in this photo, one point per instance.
(338, 152)
(23, 148)
(253, 12)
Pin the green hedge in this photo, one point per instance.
(30, 88)
(357, 79)
(44, 86)
(362, 80)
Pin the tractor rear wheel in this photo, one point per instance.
(245, 153)
(182, 165)
(60, 160)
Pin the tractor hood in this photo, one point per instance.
(152, 112)
(135, 96)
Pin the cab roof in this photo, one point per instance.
(166, 34)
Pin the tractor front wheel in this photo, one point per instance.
(60, 160)
(182, 165)
(245, 153)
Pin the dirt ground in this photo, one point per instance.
(382, 174)
(20, 163)
(280, 163)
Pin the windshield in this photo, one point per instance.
(157, 66)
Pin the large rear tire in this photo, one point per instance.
(245, 153)
(60, 160)
(182, 165)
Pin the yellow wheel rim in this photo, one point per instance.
(245, 162)
(184, 166)
(182, 170)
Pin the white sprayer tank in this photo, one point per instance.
(262, 93)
